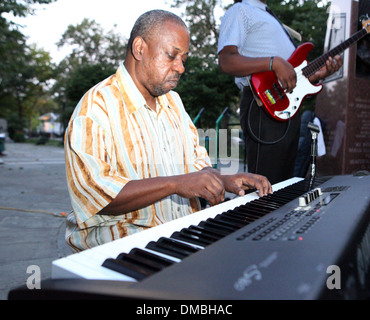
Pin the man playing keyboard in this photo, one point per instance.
(133, 158)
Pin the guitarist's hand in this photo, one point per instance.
(332, 65)
(285, 73)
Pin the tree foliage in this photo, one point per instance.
(308, 17)
(24, 70)
(204, 86)
(95, 55)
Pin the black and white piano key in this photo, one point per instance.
(228, 222)
(88, 264)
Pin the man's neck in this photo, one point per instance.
(130, 67)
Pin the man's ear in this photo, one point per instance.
(138, 46)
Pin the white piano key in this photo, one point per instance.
(71, 268)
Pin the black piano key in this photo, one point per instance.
(297, 189)
(171, 247)
(276, 198)
(152, 245)
(190, 238)
(211, 233)
(215, 227)
(140, 260)
(242, 213)
(270, 204)
(230, 221)
(245, 213)
(222, 224)
(127, 268)
(285, 194)
(267, 206)
(258, 205)
(250, 209)
(151, 256)
(202, 235)
(239, 217)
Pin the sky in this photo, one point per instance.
(50, 21)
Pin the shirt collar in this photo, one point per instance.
(132, 96)
(256, 3)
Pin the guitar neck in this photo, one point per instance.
(319, 62)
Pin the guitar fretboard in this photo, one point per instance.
(319, 62)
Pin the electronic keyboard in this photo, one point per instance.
(310, 239)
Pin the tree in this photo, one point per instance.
(202, 84)
(308, 17)
(95, 55)
(90, 44)
(24, 70)
(203, 26)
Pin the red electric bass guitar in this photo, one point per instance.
(282, 105)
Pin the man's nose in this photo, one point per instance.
(179, 65)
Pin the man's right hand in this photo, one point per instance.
(285, 73)
(203, 184)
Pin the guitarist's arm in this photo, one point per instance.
(233, 63)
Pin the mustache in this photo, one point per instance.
(176, 77)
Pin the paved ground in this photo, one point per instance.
(33, 196)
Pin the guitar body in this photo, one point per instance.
(277, 103)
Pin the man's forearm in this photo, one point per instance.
(234, 64)
(138, 194)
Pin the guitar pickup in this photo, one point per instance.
(278, 91)
(270, 97)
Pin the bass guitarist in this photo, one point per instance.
(252, 40)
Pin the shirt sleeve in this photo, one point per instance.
(92, 181)
(234, 27)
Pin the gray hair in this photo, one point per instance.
(146, 25)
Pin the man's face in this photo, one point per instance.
(164, 59)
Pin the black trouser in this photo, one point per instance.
(273, 160)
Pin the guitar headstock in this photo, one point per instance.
(365, 20)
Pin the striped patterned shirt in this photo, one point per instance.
(114, 137)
